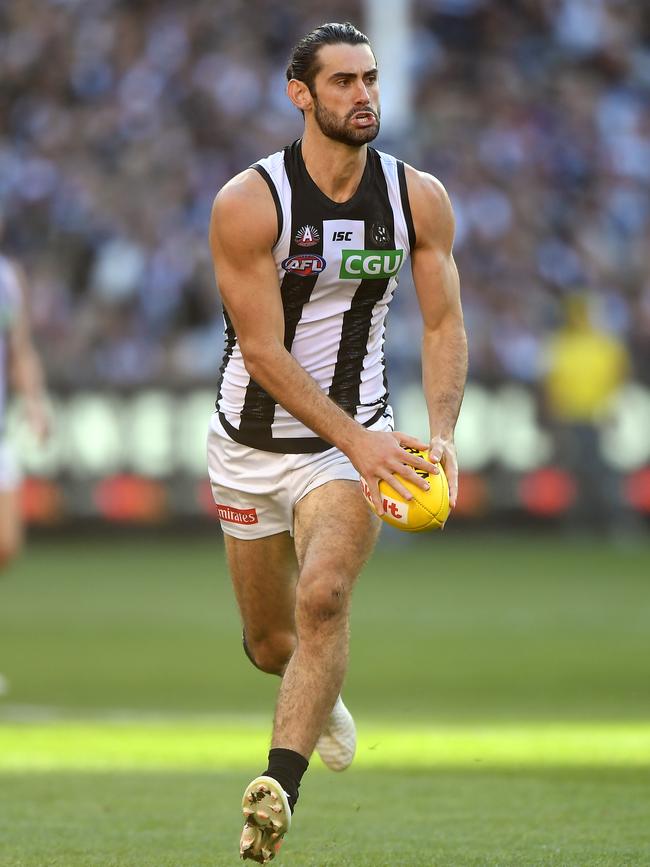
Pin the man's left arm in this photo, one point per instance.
(444, 342)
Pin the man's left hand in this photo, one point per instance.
(442, 450)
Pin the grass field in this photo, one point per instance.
(501, 689)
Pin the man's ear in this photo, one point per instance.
(299, 94)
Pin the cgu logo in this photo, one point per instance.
(370, 264)
(304, 264)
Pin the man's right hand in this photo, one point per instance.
(378, 455)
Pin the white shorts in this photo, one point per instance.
(256, 491)
(10, 476)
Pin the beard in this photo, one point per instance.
(341, 130)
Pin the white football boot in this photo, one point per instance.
(268, 818)
(338, 743)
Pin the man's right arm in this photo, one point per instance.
(243, 229)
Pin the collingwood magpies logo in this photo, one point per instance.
(380, 235)
(307, 236)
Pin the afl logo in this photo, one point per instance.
(307, 236)
(304, 264)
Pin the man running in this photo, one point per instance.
(307, 245)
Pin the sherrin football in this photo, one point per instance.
(428, 510)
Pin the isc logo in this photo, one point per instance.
(304, 264)
(370, 264)
(342, 236)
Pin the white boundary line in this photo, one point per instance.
(36, 713)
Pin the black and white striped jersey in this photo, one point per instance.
(337, 266)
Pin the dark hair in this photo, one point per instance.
(303, 64)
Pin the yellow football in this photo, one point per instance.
(428, 510)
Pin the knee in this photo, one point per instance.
(321, 602)
(270, 652)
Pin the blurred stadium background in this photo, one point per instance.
(118, 123)
(510, 666)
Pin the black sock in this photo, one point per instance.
(287, 767)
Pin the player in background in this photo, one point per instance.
(20, 368)
(307, 245)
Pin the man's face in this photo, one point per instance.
(346, 94)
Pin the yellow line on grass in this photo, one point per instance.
(129, 745)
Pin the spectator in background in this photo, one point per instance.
(117, 120)
(585, 367)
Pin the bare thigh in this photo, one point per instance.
(263, 573)
(335, 533)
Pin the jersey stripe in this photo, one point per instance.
(346, 382)
(406, 205)
(230, 342)
(276, 199)
(290, 445)
(259, 407)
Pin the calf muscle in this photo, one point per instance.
(263, 573)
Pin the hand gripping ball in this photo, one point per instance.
(428, 510)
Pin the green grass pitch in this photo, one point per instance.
(501, 688)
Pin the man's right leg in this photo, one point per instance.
(264, 573)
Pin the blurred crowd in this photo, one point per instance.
(120, 120)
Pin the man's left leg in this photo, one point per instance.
(334, 534)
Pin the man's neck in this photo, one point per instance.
(334, 167)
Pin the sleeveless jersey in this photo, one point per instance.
(10, 301)
(337, 265)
